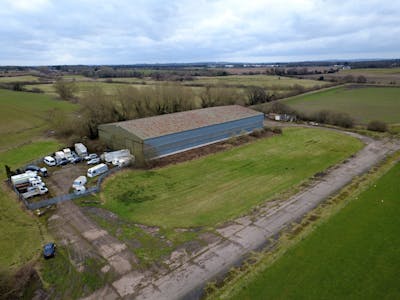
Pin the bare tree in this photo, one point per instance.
(66, 89)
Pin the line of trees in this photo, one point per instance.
(98, 107)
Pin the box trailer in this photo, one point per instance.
(97, 170)
(81, 149)
(59, 156)
(23, 178)
(67, 153)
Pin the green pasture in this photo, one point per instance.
(23, 116)
(265, 81)
(225, 185)
(362, 103)
(25, 78)
(354, 255)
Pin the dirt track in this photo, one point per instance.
(186, 279)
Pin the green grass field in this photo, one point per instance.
(20, 235)
(17, 157)
(354, 255)
(266, 81)
(373, 71)
(363, 103)
(274, 84)
(21, 238)
(22, 124)
(83, 87)
(25, 78)
(23, 116)
(225, 185)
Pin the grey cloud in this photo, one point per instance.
(114, 32)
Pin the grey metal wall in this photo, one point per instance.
(168, 144)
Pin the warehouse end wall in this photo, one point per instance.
(117, 138)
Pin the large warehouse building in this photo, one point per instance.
(159, 136)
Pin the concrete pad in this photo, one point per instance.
(94, 234)
(120, 264)
(105, 293)
(245, 221)
(229, 230)
(128, 283)
(108, 250)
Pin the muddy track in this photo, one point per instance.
(186, 279)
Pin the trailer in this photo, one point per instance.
(97, 170)
(23, 178)
(67, 153)
(109, 157)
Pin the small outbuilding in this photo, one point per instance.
(154, 137)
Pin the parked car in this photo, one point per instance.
(50, 161)
(91, 156)
(94, 161)
(63, 162)
(49, 250)
(76, 160)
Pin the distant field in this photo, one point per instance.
(18, 79)
(266, 81)
(84, 86)
(386, 76)
(372, 71)
(23, 116)
(354, 255)
(222, 186)
(274, 84)
(362, 103)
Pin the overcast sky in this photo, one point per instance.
(45, 32)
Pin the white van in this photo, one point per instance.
(97, 170)
(50, 161)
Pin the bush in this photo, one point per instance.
(277, 130)
(257, 132)
(333, 118)
(377, 126)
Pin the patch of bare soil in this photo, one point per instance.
(207, 150)
(60, 179)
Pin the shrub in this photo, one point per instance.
(257, 132)
(333, 118)
(277, 130)
(267, 129)
(377, 126)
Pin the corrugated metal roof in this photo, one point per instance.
(151, 127)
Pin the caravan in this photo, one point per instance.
(97, 170)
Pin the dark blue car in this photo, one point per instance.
(49, 250)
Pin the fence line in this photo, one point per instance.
(67, 197)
